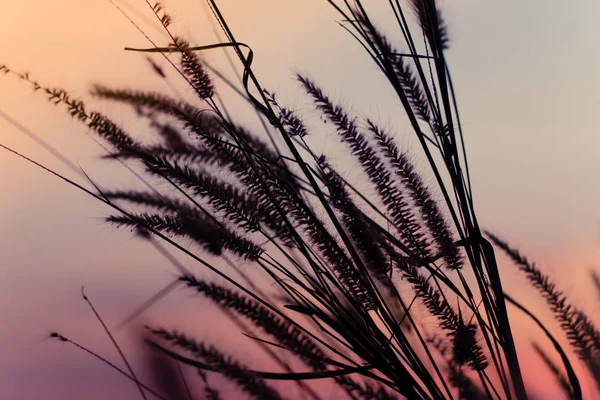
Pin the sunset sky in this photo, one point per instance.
(528, 86)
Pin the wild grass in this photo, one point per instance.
(349, 268)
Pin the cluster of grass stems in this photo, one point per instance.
(356, 275)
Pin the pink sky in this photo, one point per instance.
(528, 86)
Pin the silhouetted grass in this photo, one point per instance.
(332, 251)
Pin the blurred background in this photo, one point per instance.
(527, 80)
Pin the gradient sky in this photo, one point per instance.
(528, 87)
